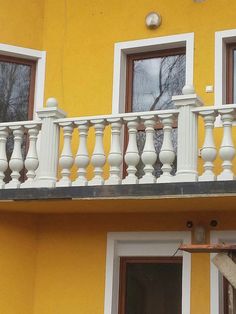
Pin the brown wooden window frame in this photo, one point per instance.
(230, 48)
(124, 260)
(141, 56)
(32, 63)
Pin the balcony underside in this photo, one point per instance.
(194, 196)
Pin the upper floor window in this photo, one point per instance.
(231, 73)
(148, 72)
(17, 85)
(153, 78)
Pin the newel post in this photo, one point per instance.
(187, 149)
(49, 144)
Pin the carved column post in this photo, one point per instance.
(31, 161)
(3, 155)
(66, 160)
(208, 151)
(149, 155)
(115, 155)
(82, 157)
(16, 162)
(167, 154)
(227, 149)
(98, 158)
(132, 156)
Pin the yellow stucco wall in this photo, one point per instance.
(79, 37)
(18, 239)
(21, 23)
(72, 253)
(56, 264)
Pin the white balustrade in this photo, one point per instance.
(31, 161)
(132, 156)
(16, 162)
(66, 159)
(149, 155)
(3, 155)
(115, 155)
(227, 149)
(167, 154)
(42, 169)
(82, 157)
(98, 158)
(208, 151)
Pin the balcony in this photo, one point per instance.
(71, 158)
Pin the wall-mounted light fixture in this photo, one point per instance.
(153, 20)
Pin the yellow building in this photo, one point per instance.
(87, 228)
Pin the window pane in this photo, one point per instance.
(156, 80)
(14, 91)
(234, 77)
(153, 288)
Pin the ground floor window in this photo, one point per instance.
(145, 270)
(148, 284)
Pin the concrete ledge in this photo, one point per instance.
(150, 191)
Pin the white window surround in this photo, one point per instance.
(216, 278)
(31, 54)
(122, 49)
(144, 244)
(221, 39)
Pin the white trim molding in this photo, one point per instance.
(216, 278)
(144, 244)
(31, 54)
(122, 49)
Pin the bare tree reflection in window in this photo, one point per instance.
(14, 97)
(155, 81)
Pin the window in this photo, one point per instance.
(231, 73)
(223, 296)
(17, 84)
(153, 78)
(30, 65)
(147, 284)
(225, 45)
(144, 251)
(159, 45)
(22, 72)
(229, 295)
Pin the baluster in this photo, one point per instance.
(66, 160)
(82, 157)
(149, 155)
(3, 155)
(132, 156)
(227, 150)
(167, 154)
(16, 161)
(31, 161)
(208, 151)
(98, 158)
(115, 155)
